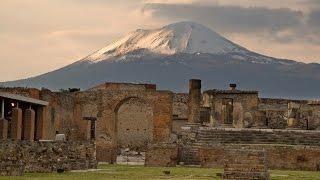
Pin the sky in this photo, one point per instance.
(38, 36)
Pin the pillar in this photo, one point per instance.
(293, 114)
(2, 109)
(194, 101)
(3, 123)
(3, 129)
(41, 122)
(16, 124)
(29, 120)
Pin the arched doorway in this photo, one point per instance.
(134, 125)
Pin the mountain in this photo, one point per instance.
(171, 55)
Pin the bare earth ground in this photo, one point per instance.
(141, 172)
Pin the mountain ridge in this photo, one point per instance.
(171, 55)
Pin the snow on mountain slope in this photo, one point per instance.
(182, 37)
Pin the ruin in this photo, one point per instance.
(166, 128)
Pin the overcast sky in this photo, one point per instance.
(37, 36)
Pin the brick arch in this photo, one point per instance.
(110, 102)
(126, 99)
(133, 128)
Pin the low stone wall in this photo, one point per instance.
(278, 156)
(165, 155)
(258, 136)
(48, 156)
(106, 152)
(246, 164)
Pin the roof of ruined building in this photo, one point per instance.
(23, 98)
(236, 91)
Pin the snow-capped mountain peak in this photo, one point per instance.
(181, 37)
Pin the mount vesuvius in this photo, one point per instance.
(171, 55)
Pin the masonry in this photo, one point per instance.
(48, 156)
(240, 119)
(170, 127)
(125, 116)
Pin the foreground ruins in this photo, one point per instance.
(115, 121)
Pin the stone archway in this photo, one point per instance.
(134, 124)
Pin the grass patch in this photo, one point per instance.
(140, 172)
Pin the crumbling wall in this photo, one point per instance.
(124, 87)
(258, 136)
(134, 124)
(278, 156)
(180, 111)
(163, 155)
(59, 115)
(49, 156)
(105, 105)
(244, 107)
(180, 105)
(279, 111)
(276, 119)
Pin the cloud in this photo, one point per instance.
(230, 18)
(314, 18)
(282, 25)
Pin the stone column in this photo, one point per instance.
(41, 122)
(3, 123)
(293, 114)
(2, 109)
(29, 120)
(194, 101)
(3, 129)
(16, 124)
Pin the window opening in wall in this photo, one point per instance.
(93, 130)
(227, 113)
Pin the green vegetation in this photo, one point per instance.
(140, 172)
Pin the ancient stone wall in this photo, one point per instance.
(258, 136)
(244, 107)
(48, 156)
(124, 87)
(278, 156)
(163, 155)
(135, 124)
(59, 114)
(246, 164)
(105, 105)
(279, 111)
(286, 157)
(180, 105)
(180, 111)
(277, 104)
(276, 119)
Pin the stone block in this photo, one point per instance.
(16, 124)
(163, 155)
(3, 129)
(29, 123)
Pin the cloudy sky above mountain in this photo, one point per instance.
(37, 36)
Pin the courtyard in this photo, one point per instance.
(141, 172)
